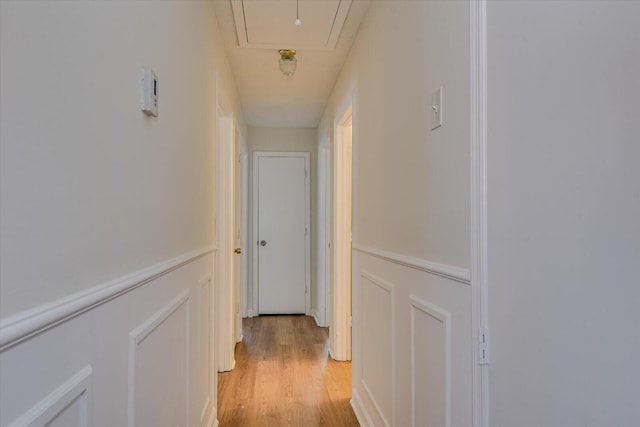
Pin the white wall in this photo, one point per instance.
(411, 213)
(97, 197)
(283, 139)
(564, 209)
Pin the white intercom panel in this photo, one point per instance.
(149, 92)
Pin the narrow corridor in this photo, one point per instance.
(284, 377)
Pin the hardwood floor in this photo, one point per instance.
(284, 377)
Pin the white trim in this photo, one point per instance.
(447, 271)
(322, 236)
(224, 229)
(238, 273)
(365, 387)
(314, 314)
(140, 333)
(213, 418)
(342, 197)
(479, 251)
(356, 403)
(245, 230)
(57, 401)
(444, 317)
(255, 232)
(26, 324)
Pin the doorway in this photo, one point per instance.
(225, 300)
(281, 232)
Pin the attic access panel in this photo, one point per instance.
(269, 24)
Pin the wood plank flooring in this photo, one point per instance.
(284, 377)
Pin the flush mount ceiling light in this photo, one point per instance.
(288, 61)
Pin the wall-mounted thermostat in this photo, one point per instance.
(149, 92)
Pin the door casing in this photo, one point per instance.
(342, 204)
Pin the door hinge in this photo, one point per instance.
(483, 346)
(305, 231)
(305, 173)
(350, 321)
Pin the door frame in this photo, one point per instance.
(342, 215)
(479, 219)
(323, 236)
(255, 232)
(240, 235)
(245, 229)
(223, 226)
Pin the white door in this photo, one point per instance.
(282, 228)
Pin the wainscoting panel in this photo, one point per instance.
(430, 364)
(133, 351)
(206, 349)
(377, 343)
(412, 360)
(67, 406)
(159, 367)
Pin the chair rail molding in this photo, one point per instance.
(457, 274)
(26, 324)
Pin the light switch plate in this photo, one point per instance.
(436, 109)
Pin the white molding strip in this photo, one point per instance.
(56, 402)
(366, 389)
(363, 417)
(26, 324)
(213, 418)
(447, 271)
(479, 246)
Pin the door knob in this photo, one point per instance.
(263, 243)
(237, 250)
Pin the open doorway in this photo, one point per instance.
(341, 221)
(240, 237)
(225, 182)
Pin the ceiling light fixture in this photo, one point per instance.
(298, 22)
(288, 61)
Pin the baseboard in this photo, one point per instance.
(213, 418)
(314, 314)
(363, 418)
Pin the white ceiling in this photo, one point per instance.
(254, 30)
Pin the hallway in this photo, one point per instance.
(284, 377)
